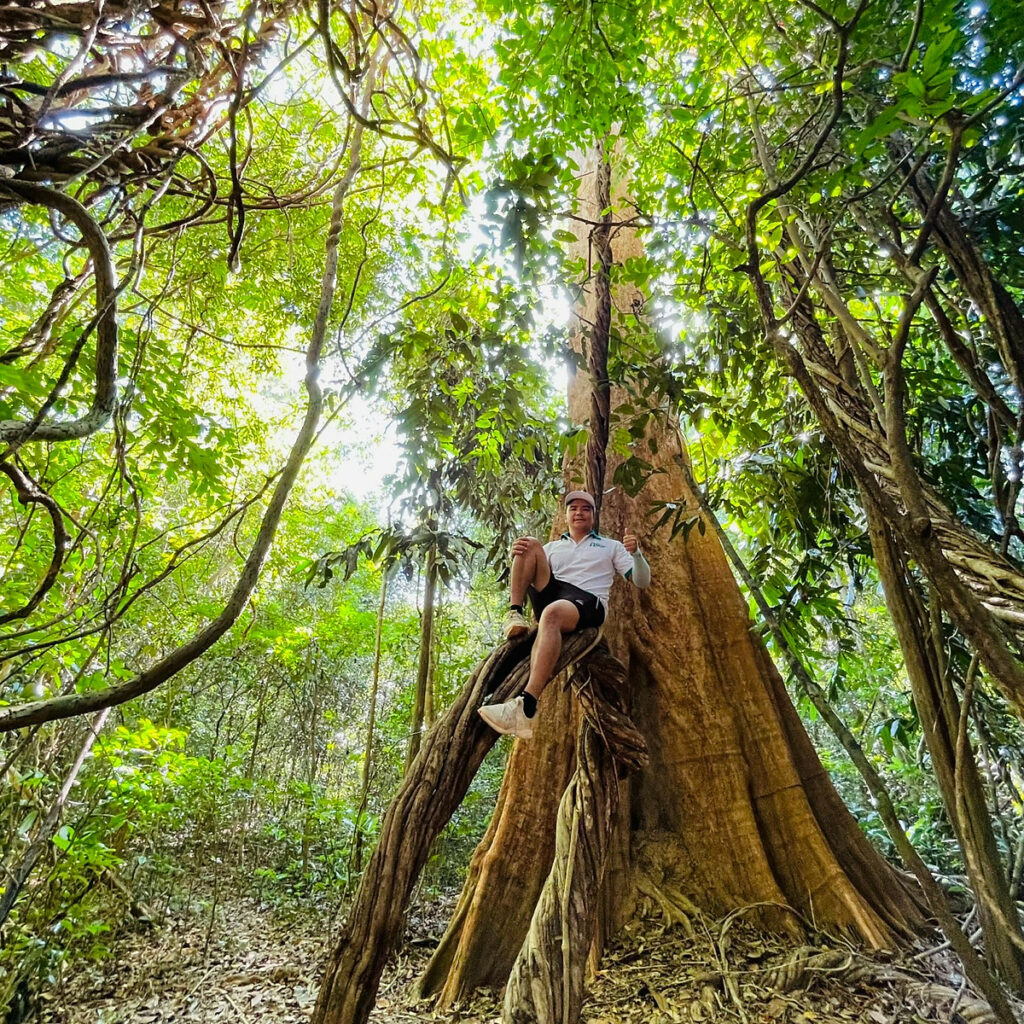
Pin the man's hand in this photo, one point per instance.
(629, 541)
(521, 545)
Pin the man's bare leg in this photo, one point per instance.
(558, 618)
(529, 568)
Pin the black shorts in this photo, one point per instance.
(590, 608)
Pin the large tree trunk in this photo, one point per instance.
(734, 808)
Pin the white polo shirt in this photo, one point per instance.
(590, 565)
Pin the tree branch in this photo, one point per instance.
(17, 432)
(30, 494)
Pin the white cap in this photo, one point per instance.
(581, 496)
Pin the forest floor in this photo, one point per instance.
(251, 964)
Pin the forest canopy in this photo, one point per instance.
(248, 251)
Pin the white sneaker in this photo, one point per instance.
(515, 624)
(508, 718)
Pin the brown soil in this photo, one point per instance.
(260, 965)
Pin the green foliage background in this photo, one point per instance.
(245, 769)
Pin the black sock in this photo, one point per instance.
(529, 705)
(516, 608)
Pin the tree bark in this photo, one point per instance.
(510, 864)
(934, 895)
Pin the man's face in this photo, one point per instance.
(580, 514)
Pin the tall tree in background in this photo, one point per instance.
(735, 808)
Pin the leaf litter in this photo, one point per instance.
(249, 963)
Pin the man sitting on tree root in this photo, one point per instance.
(568, 581)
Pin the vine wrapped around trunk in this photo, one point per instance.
(546, 984)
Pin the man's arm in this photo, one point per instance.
(640, 572)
